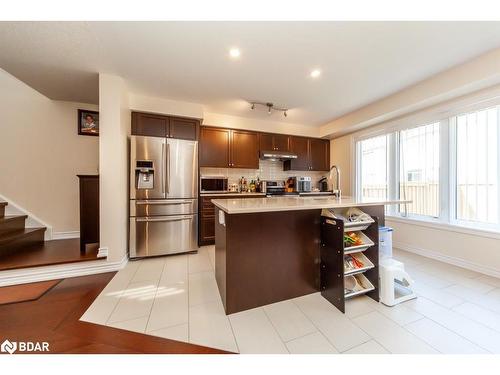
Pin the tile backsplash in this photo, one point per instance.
(268, 170)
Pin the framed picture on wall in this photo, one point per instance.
(88, 122)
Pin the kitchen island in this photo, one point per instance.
(272, 249)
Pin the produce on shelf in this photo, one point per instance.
(352, 239)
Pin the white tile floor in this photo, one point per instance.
(458, 311)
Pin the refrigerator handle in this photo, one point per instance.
(168, 167)
(163, 167)
(164, 218)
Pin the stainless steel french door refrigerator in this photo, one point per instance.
(163, 196)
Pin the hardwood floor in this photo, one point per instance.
(48, 253)
(54, 318)
(23, 293)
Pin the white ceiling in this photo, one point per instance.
(360, 61)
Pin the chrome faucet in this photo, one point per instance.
(336, 192)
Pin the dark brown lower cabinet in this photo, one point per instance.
(206, 235)
(207, 230)
(89, 210)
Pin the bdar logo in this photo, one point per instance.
(24, 346)
(8, 347)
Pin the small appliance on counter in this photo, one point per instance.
(298, 184)
(323, 184)
(213, 184)
(304, 184)
(274, 188)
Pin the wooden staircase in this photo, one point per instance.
(14, 236)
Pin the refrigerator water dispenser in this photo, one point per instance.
(144, 174)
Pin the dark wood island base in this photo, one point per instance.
(261, 258)
(267, 257)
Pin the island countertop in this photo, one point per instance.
(274, 204)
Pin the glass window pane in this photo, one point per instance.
(373, 167)
(477, 166)
(419, 169)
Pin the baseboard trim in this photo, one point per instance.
(103, 252)
(459, 262)
(63, 271)
(65, 235)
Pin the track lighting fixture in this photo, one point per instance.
(270, 107)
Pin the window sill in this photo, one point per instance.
(433, 224)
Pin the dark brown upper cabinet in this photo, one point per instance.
(300, 147)
(313, 154)
(182, 128)
(281, 142)
(266, 142)
(244, 149)
(319, 150)
(149, 124)
(156, 125)
(274, 142)
(227, 148)
(214, 147)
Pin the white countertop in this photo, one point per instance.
(231, 194)
(253, 205)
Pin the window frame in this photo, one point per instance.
(448, 166)
(453, 217)
(357, 175)
(428, 218)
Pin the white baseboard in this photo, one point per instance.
(103, 252)
(448, 259)
(63, 271)
(65, 235)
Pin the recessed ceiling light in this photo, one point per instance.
(234, 53)
(315, 73)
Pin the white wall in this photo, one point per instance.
(113, 160)
(164, 106)
(477, 251)
(228, 121)
(41, 153)
(340, 149)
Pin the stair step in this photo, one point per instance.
(2, 208)
(12, 223)
(22, 238)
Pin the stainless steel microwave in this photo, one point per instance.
(210, 184)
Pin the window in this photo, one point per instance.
(373, 167)
(477, 166)
(449, 169)
(419, 170)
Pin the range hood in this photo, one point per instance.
(277, 155)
